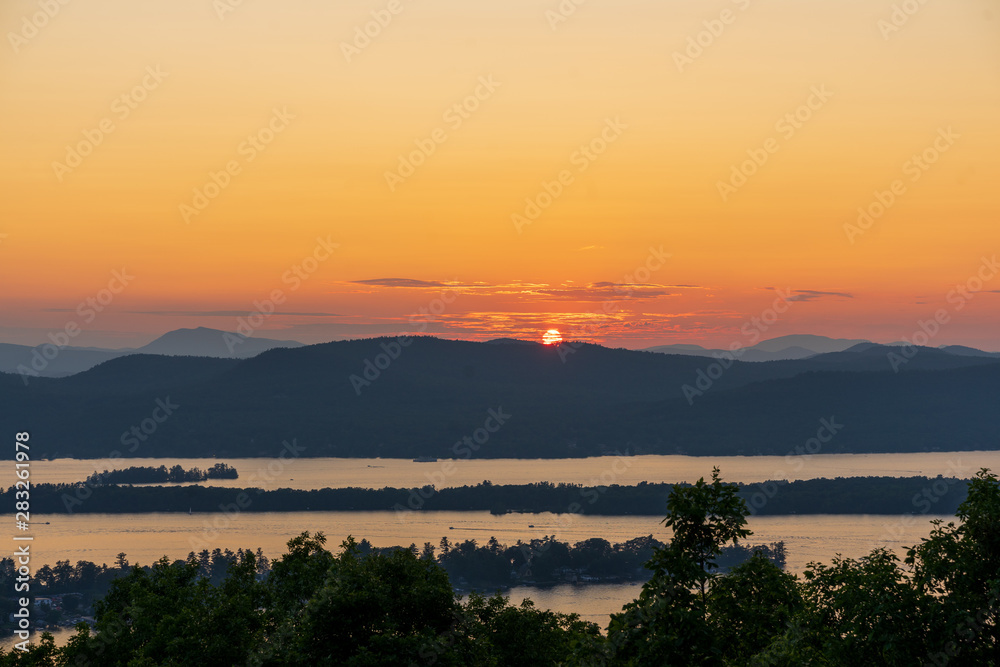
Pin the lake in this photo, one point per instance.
(317, 473)
(147, 537)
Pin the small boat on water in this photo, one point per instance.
(425, 459)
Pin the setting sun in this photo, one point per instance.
(552, 337)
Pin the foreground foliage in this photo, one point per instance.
(939, 606)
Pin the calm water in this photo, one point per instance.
(147, 537)
(317, 473)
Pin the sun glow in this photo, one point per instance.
(552, 337)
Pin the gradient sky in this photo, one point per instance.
(447, 229)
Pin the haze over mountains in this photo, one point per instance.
(199, 342)
(206, 342)
(449, 398)
(796, 346)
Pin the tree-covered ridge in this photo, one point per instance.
(940, 606)
(161, 475)
(842, 495)
(568, 401)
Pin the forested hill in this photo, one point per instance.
(373, 398)
(850, 495)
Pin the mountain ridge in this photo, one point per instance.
(375, 397)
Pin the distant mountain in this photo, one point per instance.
(963, 351)
(678, 348)
(205, 342)
(796, 346)
(48, 361)
(819, 344)
(45, 361)
(803, 346)
(434, 397)
(872, 356)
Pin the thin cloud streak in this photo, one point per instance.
(225, 313)
(597, 291)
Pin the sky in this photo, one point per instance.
(629, 172)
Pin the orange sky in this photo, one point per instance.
(309, 118)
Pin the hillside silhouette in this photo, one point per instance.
(563, 402)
